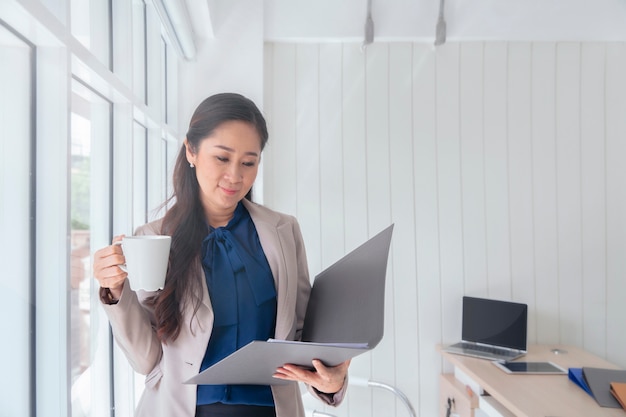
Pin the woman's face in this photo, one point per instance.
(226, 165)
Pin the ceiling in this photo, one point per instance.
(415, 20)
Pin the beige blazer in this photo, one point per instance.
(166, 366)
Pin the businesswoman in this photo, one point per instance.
(237, 272)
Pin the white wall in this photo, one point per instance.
(501, 164)
(231, 59)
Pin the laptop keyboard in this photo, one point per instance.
(487, 349)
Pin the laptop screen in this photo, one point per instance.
(494, 322)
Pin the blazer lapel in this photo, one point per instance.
(266, 223)
(269, 231)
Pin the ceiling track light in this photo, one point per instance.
(369, 26)
(440, 31)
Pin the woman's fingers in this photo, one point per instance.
(105, 266)
(323, 378)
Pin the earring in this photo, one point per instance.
(191, 165)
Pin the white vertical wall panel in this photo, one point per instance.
(281, 149)
(616, 200)
(308, 149)
(519, 128)
(308, 160)
(497, 171)
(354, 177)
(501, 165)
(568, 191)
(429, 322)
(377, 138)
(449, 184)
(354, 146)
(471, 86)
(331, 153)
(401, 184)
(266, 170)
(593, 190)
(546, 306)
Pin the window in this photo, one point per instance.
(139, 180)
(90, 217)
(164, 80)
(139, 49)
(17, 278)
(82, 157)
(91, 25)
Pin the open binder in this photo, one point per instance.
(344, 318)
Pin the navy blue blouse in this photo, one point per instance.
(243, 296)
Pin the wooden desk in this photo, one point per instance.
(538, 395)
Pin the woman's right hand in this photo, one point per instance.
(106, 268)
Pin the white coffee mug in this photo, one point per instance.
(146, 260)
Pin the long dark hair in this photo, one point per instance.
(185, 220)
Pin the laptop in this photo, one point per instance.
(492, 329)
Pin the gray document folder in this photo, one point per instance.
(344, 318)
(599, 381)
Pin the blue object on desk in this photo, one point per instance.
(576, 376)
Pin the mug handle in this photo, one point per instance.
(121, 266)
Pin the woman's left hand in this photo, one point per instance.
(328, 380)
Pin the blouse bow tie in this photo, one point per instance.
(223, 259)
